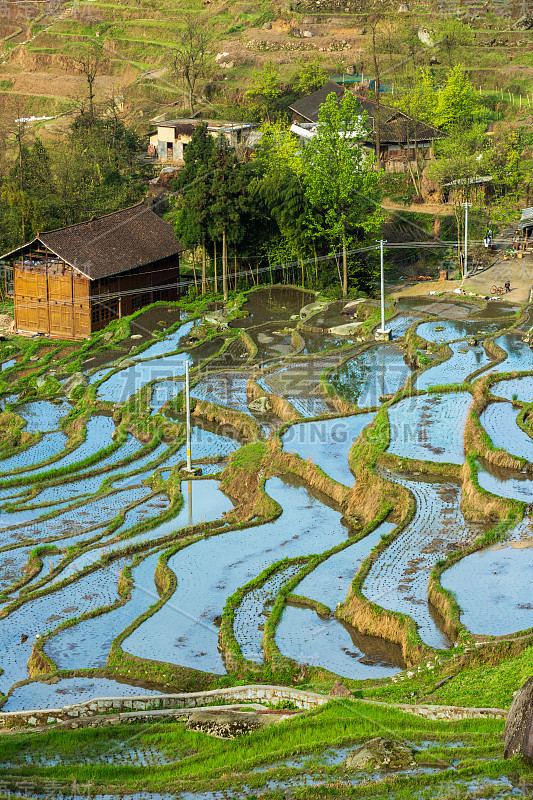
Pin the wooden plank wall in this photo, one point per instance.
(58, 306)
(59, 301)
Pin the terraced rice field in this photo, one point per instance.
(119, 523)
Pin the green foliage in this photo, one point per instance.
(341, 185)
(265, 89)
(446, 105)
(310, 78)
(453, 35)
(94, 171)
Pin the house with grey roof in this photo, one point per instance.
(403, 140)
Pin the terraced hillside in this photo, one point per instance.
(362, 513)
(139, 37)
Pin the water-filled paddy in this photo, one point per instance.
(377, 371)
(250, 616)
(43, 415)
(44, 613)
(430, 427)
(446, 330)
(87, 644)
(398, 578)
(299, 383)
(330, 581)
(34, 696)
(310, 639)
(171, 342)
(212, 569)
(122, 384)
(494, 310)
(400, 324)
(465, 360)
(514, 486)
(327, 443)
(493, 588)
(521, 388)
(50, 445)
(226, 389)
(519, 354)
(499, 420)
(272, 303)
(165, 391)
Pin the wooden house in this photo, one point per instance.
(72, 281)
(403, 140)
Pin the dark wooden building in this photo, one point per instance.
(71, 282)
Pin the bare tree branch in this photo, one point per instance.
(191, 55)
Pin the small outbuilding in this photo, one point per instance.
(73, 281)
(170, 139)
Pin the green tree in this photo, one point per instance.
(456, 100)
(310, 78)
(192, 209)
(265, 89)
(453, 35)
(229, 204)
(342, 184)
(282, 189)
(447, 105)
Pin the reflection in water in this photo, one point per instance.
(306, 637)
(493, 588)
(375, 372)
(430, 427)
(212, 569)
(464, 360)
(499, 420)
(327, 443)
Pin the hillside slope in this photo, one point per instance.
(139, 36)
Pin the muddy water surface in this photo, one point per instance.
(272, 303)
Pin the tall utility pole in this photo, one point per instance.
(466, 206)
(188, 415)
(382, 333)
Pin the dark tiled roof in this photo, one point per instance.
(395, 127)
(112, 244)
(308, 107)
(183, 127)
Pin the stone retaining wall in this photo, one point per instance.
(450, 713)
(118, 710)
(103, 705)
